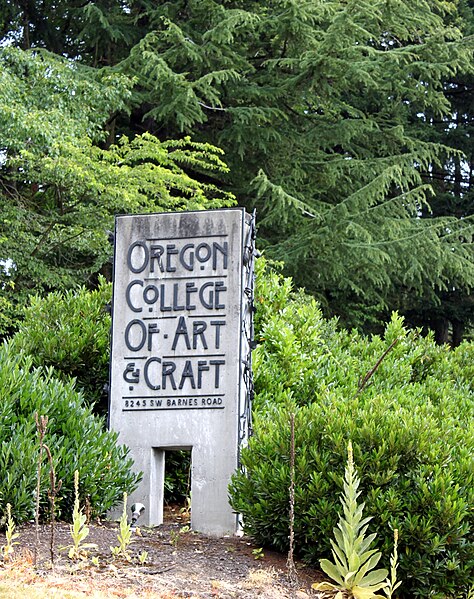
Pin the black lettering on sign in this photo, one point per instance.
(167, 372)
(170, 251)
(176, 305)
(199, 326)
(224, 250)
(176, 297)
(128, 292)
(181, 329)
(219, 289)
(202, 367)
(156, 257)
(217, 364)
(150, 294)
(138, 256)
(161, 375)
(146, 373)
(131, 374)
(141, 332)
(152, 330)
(211, 401)
(190, 288)
(174, 402)
(187, 374)
(137, 330)
(163, 307)
(186, 256)
(218, 324)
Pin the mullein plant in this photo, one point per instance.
(392, 584)
(354, 561)
(10, 535)
(78, 529)
(124, 536)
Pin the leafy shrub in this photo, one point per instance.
(412, 428)
(177, 476)
(75, 437)
(70, 331)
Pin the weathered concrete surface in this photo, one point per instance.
(176, 365)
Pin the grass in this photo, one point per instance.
(19, 580)
(10, 589)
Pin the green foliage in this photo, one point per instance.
(46, 100)
(75, 437)
(354, 561)
(392, 582)
(338, 121)
(177, 476)
(70, 331)
(411, 427)
(321, 107)
(64, 175)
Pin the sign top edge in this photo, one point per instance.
(182, 212)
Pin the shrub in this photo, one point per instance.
(75, 437)
(411, 426)
(70, 331)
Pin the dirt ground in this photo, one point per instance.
(166, 562)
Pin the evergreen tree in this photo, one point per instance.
(318, 107)
(452, 311)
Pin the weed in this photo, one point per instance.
(392, 584)
(258, 553)
(354, 562)
(124, 536)
(10, 535)
(185, 511)
(174, 537)
(79, 530)
(41, 426)
(54, 488)
(260, 578)
(290, 562)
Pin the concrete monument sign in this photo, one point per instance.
(181, 340)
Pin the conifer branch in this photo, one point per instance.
(216, 108)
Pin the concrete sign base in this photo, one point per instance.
(180, 366)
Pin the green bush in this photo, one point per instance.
(412, 428)
(70, 331)
(75, 436)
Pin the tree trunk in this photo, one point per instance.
(441, 330)
(458, 332)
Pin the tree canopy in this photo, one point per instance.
(339, 120)
(62, 183)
